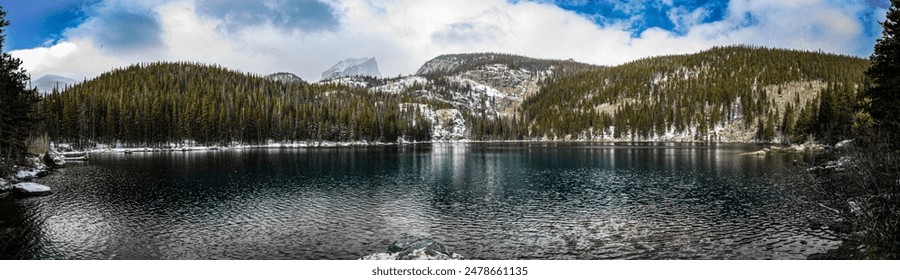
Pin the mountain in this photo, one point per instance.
(353, 67)
(450, 64)
(161, 103)
(48, 83)
(475, 90)
(285, 77)
(724, 94)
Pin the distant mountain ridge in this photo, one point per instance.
(48, 83)
(366, 66)
(285, 77)
(449, 64)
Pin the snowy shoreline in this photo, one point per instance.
(104, 149)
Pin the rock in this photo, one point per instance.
(762, 152)
(35, 162)
(54, 159)
(843, 144)
(415, 249)
(5, 186)
(25, 175)
(31, 189)
(447, 125)
(834, 166)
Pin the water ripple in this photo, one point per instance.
(485, 201)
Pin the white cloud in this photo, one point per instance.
(403, 34)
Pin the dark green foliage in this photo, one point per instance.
(165, 103)
(16, 106)
(864, 190)
(885, 72)
(673, 93)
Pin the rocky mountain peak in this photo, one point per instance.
(366, 66)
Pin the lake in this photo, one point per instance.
(481, 200)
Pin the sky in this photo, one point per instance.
(81, 39)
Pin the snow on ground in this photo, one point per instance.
(101, 148)
(446, 124)
(27, 174)
(347, 81)
(31, 188)
(401, 85)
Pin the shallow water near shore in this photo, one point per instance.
(481, 200)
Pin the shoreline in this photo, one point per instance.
(64, 149)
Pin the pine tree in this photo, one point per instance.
(16, 106)
(885, 71)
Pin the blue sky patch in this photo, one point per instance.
(35, 23)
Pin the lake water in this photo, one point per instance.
(481, 200)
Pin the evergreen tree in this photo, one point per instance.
(885, 71)
(16, 104)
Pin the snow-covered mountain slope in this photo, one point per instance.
(47, 83)
(725, 94)
(446, 124)
(285, 77)
(353, 67)
(489, 84)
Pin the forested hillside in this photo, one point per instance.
(728, 94)
(160, 103)
(723, 94)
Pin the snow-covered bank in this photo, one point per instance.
(793, 149)
(188, 146)
(35, 167)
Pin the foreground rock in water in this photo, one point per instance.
(5, 186)
(31, 189)
(54, 159)
(416, 249)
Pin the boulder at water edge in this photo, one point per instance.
(31, 189)
(416, 249)
(4, 185)
(54, 159)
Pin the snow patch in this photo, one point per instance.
(347, 81)
(448, 125)
(31, 189)
(366, 66)
(402, 84)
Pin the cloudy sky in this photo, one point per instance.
(84, 38)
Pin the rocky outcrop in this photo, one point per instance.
(29, 189)
(416, 249)
(448, 125)
(54, 159)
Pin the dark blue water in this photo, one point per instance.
(484, 201)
